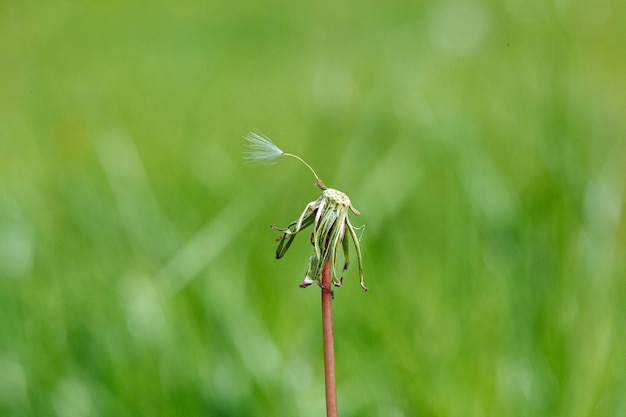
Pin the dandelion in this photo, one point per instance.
(331, 230)
(328, 215)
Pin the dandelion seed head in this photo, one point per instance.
(261, 149)
(336, 197)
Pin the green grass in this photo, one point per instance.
(484, 145)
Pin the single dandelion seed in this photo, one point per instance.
(261, 149)
(328, 215)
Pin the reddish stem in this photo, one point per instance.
(329, 342)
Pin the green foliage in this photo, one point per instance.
(483, 144)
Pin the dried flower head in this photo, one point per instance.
(328, 215)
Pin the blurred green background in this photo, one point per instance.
(483, 143)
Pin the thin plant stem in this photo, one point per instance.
(304, 162)
(329, 343)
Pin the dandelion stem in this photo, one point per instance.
(329, 342)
